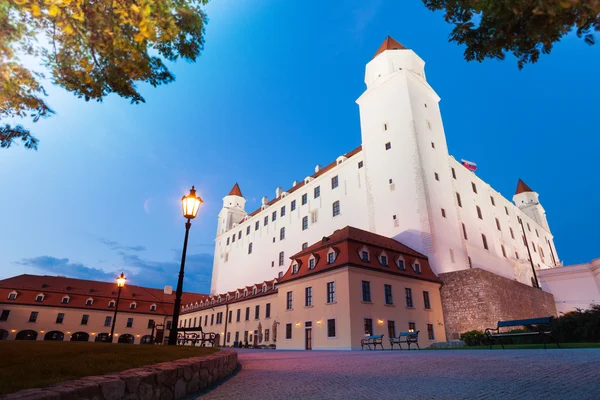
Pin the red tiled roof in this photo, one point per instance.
(54, 288)
(235, 191)
(348, 243)
(315, 175)
(522, 187)
(389, 44)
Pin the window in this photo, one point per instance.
(246, 336)
(533, 246)
(132, 306)
(334, 182)
(293, 205)
(268, 311)
(212, 319)
(479, 212)
(233, 239)
(391, 329)
(317, 192)
(282, 211)
(281, 258)
(247, 314)
(288, 331)
(331, 328)
(288, 305)
(237, 315)
(506, 210)
(458, 199)
(39, 298)
(498, 224)
(304, 223)
(280, 275)
(12, 296)
(453, 173)
(304, 245)
(227, 241)
(430, 335)
(169, 324)
(364, 256)
(537, 233)
(366, 291)
(465, 231)
(308, 297)
(247, 230)
(368, 323)
(409, 299)
(443, 213)
(311, 263)
(153, 307)
(228, 337)
(256, 225)
(295, 269)
(336, 208)
(206, 320)
(432, 145)
(503, 250)
(33, 316)
(388, 146)
(84, 319)
(484, 239)
(330, 292)
(360, 164)
(257, 312)
(474, 187)
(239, 234)
(401, 264)
(384, 260)
(282, 233)
(304, 199)
(4, 315)
(437, 177)
(412, 327)
(417, 268)
(65, 300)
(266, 220)
(249, 248)
(426, 300)
(528, 227)
(512, 235)
(274, 216)
(388, 294)
(129, 322)
(266, 335)
(60, 317)
(385, 127)
(492, 200)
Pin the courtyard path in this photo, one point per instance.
(450, 374)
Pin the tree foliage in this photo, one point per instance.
(526, 28)
(90, 48)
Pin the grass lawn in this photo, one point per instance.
(550, 346)
(31, 364)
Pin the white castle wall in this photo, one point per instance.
(398, 107)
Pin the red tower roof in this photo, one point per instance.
(522, 187)
(389, 44)
(235, 191)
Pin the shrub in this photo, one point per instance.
(579, 326)
(473, 338)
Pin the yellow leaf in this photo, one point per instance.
(35, 9)
(53, 10)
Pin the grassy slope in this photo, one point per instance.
(29, 364)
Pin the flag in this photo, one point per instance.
(471, 166)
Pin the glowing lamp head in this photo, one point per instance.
(190, 204)
(121, 280)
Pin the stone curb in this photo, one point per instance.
(165, 381)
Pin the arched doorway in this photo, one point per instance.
(103, 338)
(126, 338)
(26, 335)
(3, 334)
(54, 335)
(80, 337)
(146, 339)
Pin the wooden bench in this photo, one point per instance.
(543, 328)
(372, 340)
(405, 337)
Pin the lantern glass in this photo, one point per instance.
(190, 204)
(121, 280)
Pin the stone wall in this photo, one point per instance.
(478, 299)
(166, 381)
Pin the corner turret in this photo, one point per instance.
(233, 211)
(528, 201)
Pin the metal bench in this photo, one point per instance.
(543, 328)
(405, 337)
(195, 338)
(372, 340)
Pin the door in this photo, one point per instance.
(159, 336)
(308, 339)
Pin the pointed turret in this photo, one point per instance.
(392, 58)
(233, 211)
(522, 187)
(389, 44)
(236, 191)
(528, 201)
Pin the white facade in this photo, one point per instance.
(401, 183)
(573, 286)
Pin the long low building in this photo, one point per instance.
(350, 284)
(41, 307)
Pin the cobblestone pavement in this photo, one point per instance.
(448, 374)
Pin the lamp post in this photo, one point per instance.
(120, 283)
(190, 205)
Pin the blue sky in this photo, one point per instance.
(272, 96)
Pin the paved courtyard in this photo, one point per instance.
(451, 374)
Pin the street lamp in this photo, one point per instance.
(190, 205)
(120, 283)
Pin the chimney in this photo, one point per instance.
(265, 199)
(278, 192)
(317, 168)
(169, 290)
(295, 183)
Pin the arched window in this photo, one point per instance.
(126, 338)
(57, 336)
(89, 302)
(147, 339)
(3, 334)
(153, 307)
(132, 306)
(102, 337)
(26, 335)
(39, 298)
(111, 304)
(65, 300)
(80, 337)
(13, 295)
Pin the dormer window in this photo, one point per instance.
(264, 288)
(330, 257)
(89, 302)
(364, 256)
(312, 262)
(295, 269)
(13, 295)
(383, 260)
(65, 300)
(245, 292)
(401, 264)
(39, 298)
(417, 268)
(111, 304)
(237, 295)
(153, 307)
(132, 306)
(227, 297)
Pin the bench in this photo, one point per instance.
(405, 337)
(372, 340)
(194, 338)
(543, 328)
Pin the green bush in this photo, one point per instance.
(578, 326)
(473, 338)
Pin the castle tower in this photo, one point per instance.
(406, 157)
(528, 201)
(233, 210)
